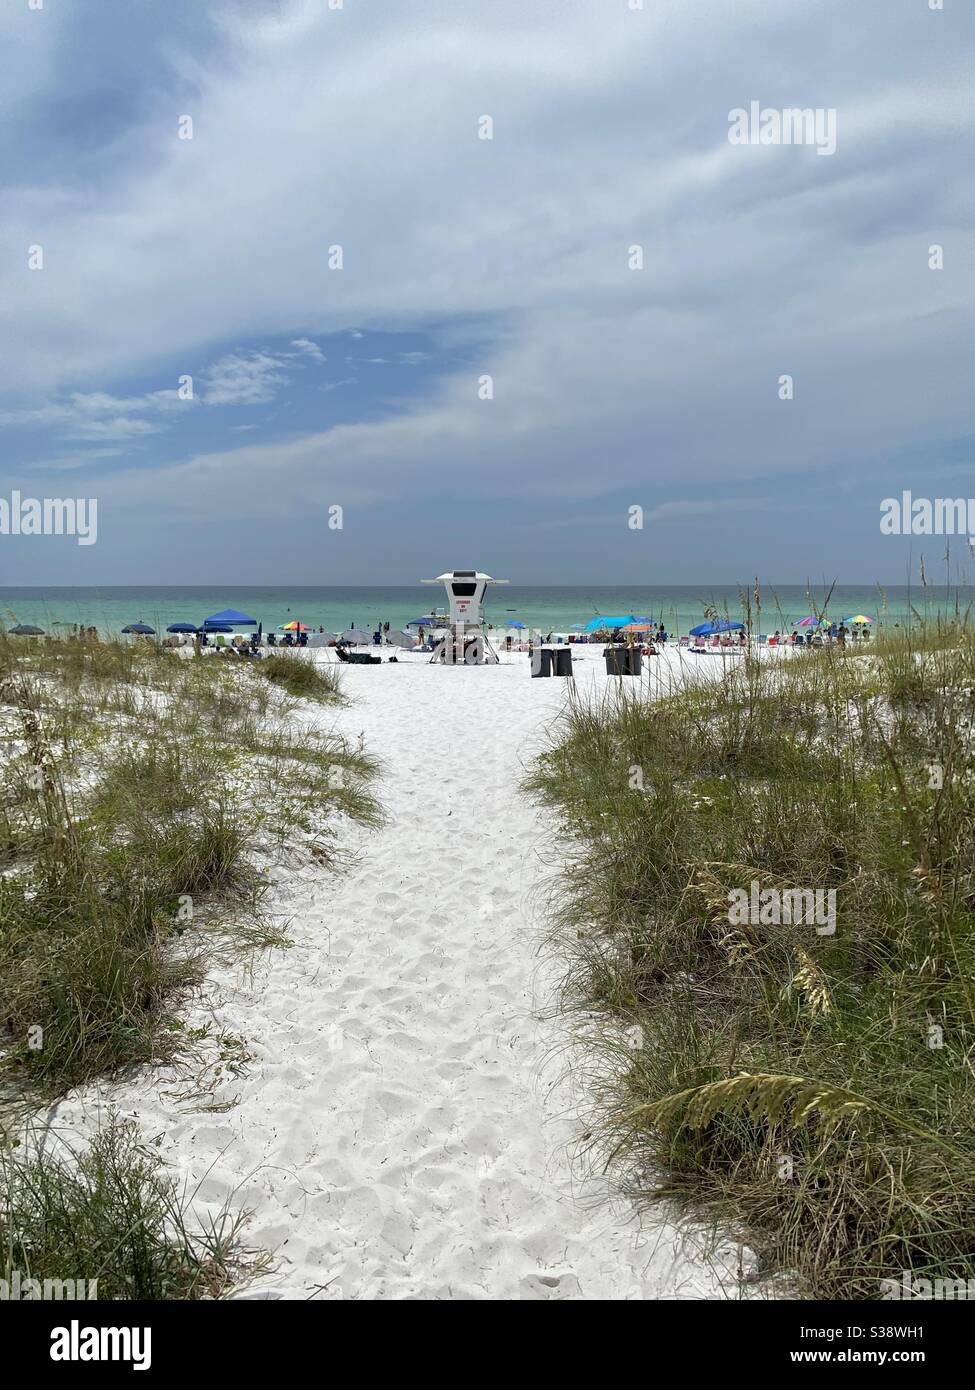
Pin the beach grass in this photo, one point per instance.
(811, 1090)
(302, 678)
(143, 795)
(111, 1215)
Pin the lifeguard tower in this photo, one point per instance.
(468, 640)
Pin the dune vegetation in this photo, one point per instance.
(144, 796)
(806, 1085)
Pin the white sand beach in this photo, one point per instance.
(406, 1124)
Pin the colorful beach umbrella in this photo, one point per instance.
(293, 626)
(811, 622)
(860, 618)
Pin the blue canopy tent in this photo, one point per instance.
(228, 618)
(709, 629)
(620, 620)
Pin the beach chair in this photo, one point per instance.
(762, 639)
(685, 641)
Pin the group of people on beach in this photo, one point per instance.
(834, 632)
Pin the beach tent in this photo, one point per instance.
(143, 629)
(722, 625)
(229, 617)
(620, 620)
(27, 630)
(182, 627)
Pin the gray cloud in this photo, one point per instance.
(360, 129)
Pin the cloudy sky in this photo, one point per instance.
(463, 258)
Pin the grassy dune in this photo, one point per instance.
(812, 1090)
(140, 793)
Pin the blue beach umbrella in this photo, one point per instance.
(182, 627)
(514, 623)
(142, 628)
(708, 629)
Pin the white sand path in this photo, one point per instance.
(405, 1126)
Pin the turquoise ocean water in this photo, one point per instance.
(109, 609)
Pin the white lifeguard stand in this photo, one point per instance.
(465, 595)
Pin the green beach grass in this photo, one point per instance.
(141, 793)
(811, 1091)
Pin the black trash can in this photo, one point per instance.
(542, 661)
(623, 661)
(563, 661)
